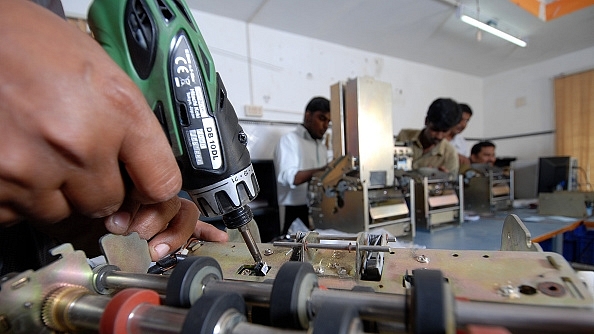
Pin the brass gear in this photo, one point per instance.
(55, 306)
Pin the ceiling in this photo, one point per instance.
(423, 31)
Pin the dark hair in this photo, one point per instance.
(318, 103)
(443, 114)
(465, 108)
(476, 149)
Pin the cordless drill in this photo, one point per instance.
(159, 45)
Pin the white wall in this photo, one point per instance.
(281, 72)
(533, 85)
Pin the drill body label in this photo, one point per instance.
(199, 126)
(212, 141)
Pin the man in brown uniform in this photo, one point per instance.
(429, 148)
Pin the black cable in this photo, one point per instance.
(588, 185)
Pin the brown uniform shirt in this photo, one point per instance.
(442, 154)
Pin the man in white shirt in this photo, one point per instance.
(298, 155)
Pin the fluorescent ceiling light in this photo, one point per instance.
(492, 30)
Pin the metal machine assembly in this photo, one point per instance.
(354, 283)
(488, 189)
(438, 197)
(339, 199)
(356, 192)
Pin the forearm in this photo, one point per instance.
(452, 164)
(303, 176)
(463, 160)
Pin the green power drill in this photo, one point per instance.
(159, 45)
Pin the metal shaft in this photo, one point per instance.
(121, 280)
(349, 236)
(525, 318)
(83, 312)
(251, 244)
(371, 305)
(349, 247)
(78, 310)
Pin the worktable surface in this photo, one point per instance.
(485, 233)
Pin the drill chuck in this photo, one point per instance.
(228, 196)
(238, 218)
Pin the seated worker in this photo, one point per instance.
(483, 153)
(429, 148)
(298, 155)
(455, 135)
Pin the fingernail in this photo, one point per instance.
(121, 221)
(162, 250)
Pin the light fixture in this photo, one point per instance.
(492, 30)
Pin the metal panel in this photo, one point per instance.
(356, 192)
(368, 120)
(337, 116)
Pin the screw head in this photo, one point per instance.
(242, 137)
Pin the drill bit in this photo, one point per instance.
(251, 244)
(239, 219)
(260, 268)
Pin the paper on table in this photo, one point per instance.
(541, 218)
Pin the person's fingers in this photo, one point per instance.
(147, 220)
(207, 232)
(148, 158)
(26, 190)
(97, 190)
(142, 147)
(167, 225)
(120, 221)
(18, 203)
(59, 129)
(151, 220)
(178, 231)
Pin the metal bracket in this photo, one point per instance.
(516, 237)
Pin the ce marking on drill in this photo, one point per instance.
(184, 65)
(202, 133)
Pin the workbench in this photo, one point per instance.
(485, 233)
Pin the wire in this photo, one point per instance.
(588, 184)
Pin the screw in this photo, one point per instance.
(242, 137)
(422, 259)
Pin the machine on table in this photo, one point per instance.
(439, 200)
(576, 204)
(437, 197)
(356, 192)
(316, 284)
(488, 189)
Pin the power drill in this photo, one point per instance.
(159, 45)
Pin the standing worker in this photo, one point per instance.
(298, 155)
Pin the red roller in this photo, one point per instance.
(118, 310)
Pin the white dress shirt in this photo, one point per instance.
(296, 151)
(460, 145)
